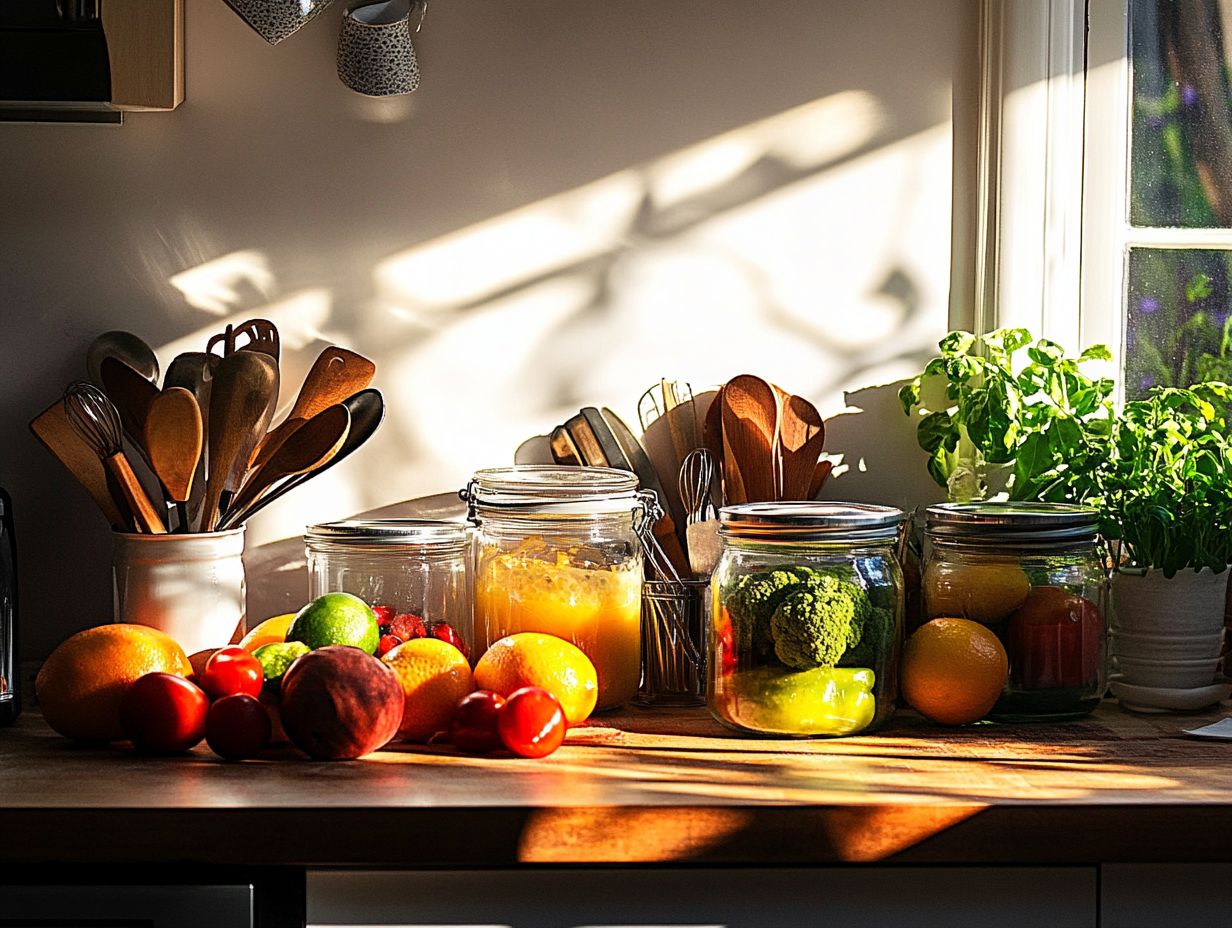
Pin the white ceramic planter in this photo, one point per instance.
(1191, 603)
(190, 586)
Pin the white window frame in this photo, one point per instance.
(1054, 235)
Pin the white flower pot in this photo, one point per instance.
(1191, 603)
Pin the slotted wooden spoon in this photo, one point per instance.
(239, 398)
(173, 441)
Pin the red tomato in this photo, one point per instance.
(237, 726)
(1055, 640)
(232, 670)
(474, 724)
(163, 714)
(532, 723)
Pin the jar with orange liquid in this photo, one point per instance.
(557, 552)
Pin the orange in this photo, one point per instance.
(271, 631)
(534, 659)
(434, 677)
(953, 670)
(79, 687)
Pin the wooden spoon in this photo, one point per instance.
(367, 409)
(132, 395)
(335, 375)
(239, 399)
(53, 428)
(750, 432)
(194, 371)
(308, 447)
(820, 473)
(802, 433)
(173, 439)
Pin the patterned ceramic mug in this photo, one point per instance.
(375, 54)
(274, 20)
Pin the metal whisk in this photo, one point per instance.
(97, 421)
(696, 482)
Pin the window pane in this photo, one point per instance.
(1177, 327)
(1181, 149)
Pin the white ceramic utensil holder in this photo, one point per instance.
(190, 586)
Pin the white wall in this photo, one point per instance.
(583, 196)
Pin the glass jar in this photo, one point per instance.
(417, 566)
(10, 693)
(558, 552)
(807, 617)
(1032, 573)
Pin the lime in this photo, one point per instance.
(337, 618)
(277, 657)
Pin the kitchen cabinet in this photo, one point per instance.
(663, 817)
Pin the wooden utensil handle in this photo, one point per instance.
(145, 516)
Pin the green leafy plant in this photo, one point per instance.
(1004, 399)
(1165, 493)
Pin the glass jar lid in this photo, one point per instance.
(1027, 523)
(422, 533)
(807, 520)
(553, 488)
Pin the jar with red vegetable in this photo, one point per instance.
(1034, 574)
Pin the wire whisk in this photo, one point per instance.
(97, 421)
(696, 484)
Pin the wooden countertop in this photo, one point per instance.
(645, 786)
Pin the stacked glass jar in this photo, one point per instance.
(1033, 573)
(807, 618)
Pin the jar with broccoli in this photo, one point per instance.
(807, 618)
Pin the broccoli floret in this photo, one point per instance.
(875, 642)
(752, 599)
(816, 624)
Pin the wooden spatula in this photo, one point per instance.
(53, 428)
(335, 375)
(750, 429)
(173, 440)
(132, 395)
(802, 434)
(309, 446)
(239, 398)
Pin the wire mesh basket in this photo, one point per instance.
(672, 667)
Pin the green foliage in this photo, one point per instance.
(1046, 417)
(1165, 493)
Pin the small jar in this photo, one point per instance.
(1032, 573)
(418, 566)
(807, 618)
(557, 552)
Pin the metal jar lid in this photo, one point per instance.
(420, 533)
(555, 489)
(806, 520)
(991, 524)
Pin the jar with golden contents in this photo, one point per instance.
(557, 552)
(1032, 573)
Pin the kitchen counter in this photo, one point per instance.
(644, 787)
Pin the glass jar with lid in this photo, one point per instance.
(417, 566)
(807, 617)
(557, 551)
(1034, 574)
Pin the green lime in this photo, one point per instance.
(277, 657)
(337, 618)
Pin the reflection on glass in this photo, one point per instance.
(1177, 324)
(1181, 147)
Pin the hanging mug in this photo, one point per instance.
(274, 20)
(375, 53)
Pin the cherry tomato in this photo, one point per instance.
(163, 714)
(232, 670)
(1055, 640)
(473, 727)
(237, 726)
(532, 723)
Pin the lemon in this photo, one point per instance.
(434, 677)
(535, 659)
(268, 632)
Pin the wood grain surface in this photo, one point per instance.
(641, 787)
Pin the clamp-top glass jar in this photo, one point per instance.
(1032, 573)
(807, 618)
(558, 552)
(417, 566)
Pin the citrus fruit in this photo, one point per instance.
(953, 670)
(80, 686)
(985, 592)
(275, 658)
(336, 618)
(551, 663)
(268, 632)
(434, 676)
